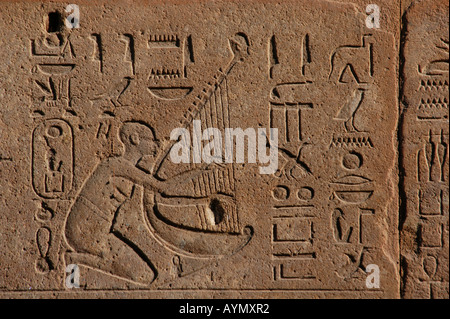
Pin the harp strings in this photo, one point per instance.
(216, 179)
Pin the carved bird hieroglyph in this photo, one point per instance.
(348, 111)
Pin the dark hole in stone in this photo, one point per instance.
(54, 22)
(218, 210)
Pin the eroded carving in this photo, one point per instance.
(192, 214)
(353, 63)
(53, 159)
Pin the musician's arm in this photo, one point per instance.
(137, 176)
(180, 186)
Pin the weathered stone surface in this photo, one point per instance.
(86, 178)
(424, 151)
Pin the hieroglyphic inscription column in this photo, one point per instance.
(425, 151)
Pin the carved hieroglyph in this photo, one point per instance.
(425, 151)
(86, 177)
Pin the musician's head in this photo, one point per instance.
(138, 138)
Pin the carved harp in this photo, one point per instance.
(207, 222)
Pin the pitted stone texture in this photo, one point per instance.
(424, 151)
(86, 115)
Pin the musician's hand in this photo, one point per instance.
(239, 45)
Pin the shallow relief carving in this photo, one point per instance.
(424, 153)
(107, 197)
